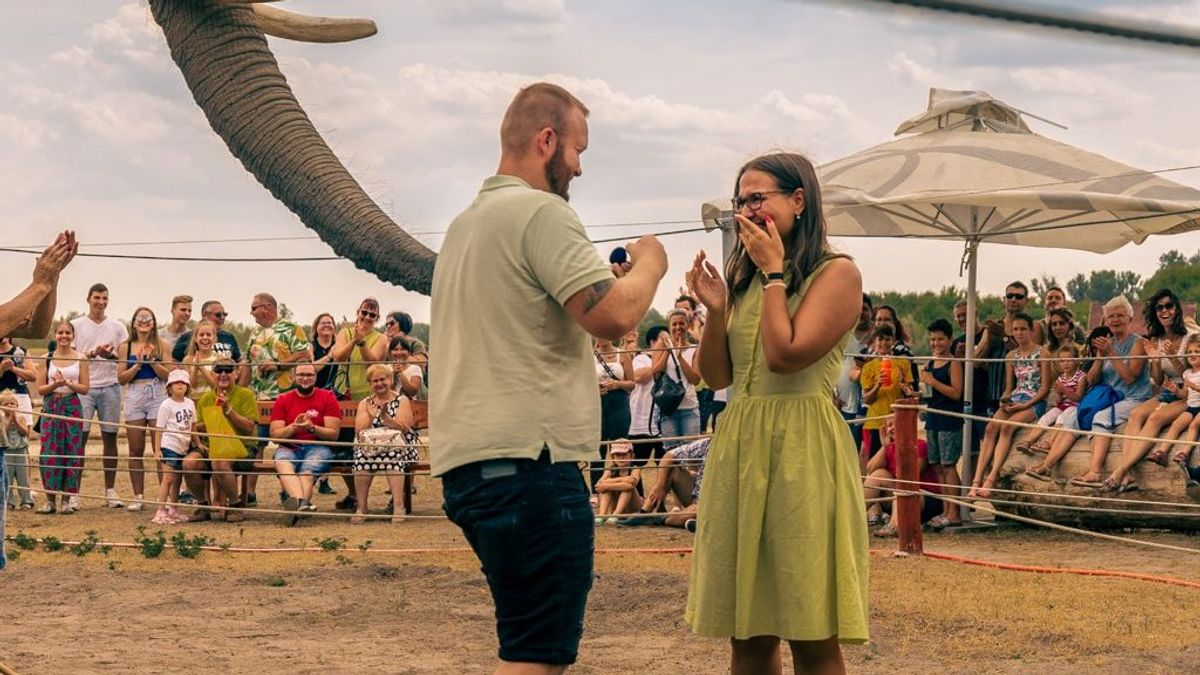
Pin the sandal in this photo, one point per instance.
(1084, 481)
(888, 530)
(938, 522)
(1159, 457)
(985, 492)
(875, 519)
(357, 519)
(975, 487)
(1033, 473)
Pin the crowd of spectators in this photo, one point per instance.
(1046, 372)
(188, 390)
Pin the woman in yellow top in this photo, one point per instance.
(357, 343)
(781, 547)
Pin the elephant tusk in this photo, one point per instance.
(281, 23)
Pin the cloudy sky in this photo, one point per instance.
(99, 133)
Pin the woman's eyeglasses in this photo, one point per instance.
(754, 199)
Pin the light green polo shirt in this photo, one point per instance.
(509, 370)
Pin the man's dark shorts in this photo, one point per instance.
(530, 523)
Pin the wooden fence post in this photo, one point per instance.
(907, 510)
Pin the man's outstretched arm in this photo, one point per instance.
(30, 314)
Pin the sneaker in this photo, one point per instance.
(66, 510)
(186, 497)
(690, 525)
(136, 504)
(47, 509)
(111, 500)
(234, 516)
(323, 487)
(251, 499)
(306, 505)
(283, 497)
(73, 502)
(292, 506)
(348, 503)
(26, 506)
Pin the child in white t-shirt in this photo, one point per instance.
(176, 433)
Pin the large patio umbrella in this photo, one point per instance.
(970, 169)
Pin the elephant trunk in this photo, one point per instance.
(236, 81)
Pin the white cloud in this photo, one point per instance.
(909, 71)
(544, 13)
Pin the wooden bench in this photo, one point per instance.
(349, 415)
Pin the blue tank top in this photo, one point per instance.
(1140, 389)
(146, 372)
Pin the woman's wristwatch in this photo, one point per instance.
(768, 277)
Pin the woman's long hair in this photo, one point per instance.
(1154, 327)
(1065, 314)
(808, 241)
(902, 334)
(191, 348)
(133, 334)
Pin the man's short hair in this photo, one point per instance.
(884, 331)
(310, 364)
(207, 306)
(267, 298)
(867, 301)
(688, 299)
(534, 108)
(961, 303)
(97, 288)
(1021, 285)
(180, 300)
(403, 321)
(941, 326)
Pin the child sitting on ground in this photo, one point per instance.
(883, 380)
(1069, 387)
(618, 486)
(176, 431)
(882, 471)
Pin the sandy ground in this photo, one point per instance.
(353, 611)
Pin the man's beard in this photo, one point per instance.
(305, 392)
(558, 176)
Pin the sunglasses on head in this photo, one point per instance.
(223, 370)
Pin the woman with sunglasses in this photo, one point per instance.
(781, 547)
(1166, 340)
(359, 343)
(143, 374)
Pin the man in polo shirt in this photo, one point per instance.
(518, 263)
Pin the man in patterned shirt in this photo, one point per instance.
(274, 345)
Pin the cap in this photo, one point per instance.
(179, 376)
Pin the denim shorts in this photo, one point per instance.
(143, 398)
(945, 447)
(172, 459)
(311, 459)
(104, 403)
(530, 524)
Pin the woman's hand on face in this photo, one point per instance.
(705, 281)
(764, 247)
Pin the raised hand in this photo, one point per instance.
(55, 258)
(764, 246)
(705, 281)
(648, 250)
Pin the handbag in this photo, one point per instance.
(668, 393)
(377, 441)
(1098, 399)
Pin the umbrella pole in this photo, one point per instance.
(969, 366)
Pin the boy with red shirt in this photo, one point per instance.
(300, 420)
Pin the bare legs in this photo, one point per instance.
(136, 435)
(1132, 452)
(761, 655)
(362, 488)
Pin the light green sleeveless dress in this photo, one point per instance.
(782, 542)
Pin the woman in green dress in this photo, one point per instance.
(781, 549)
